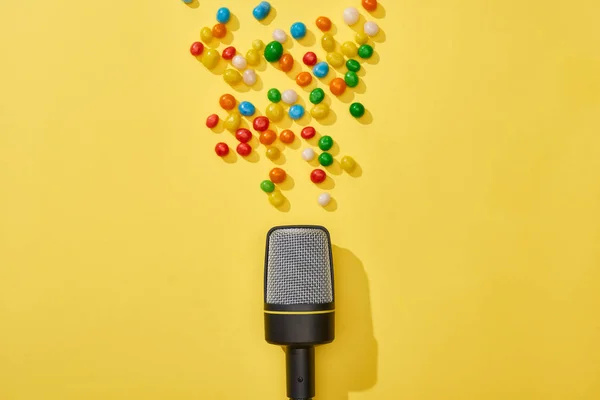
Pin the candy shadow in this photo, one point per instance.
(348, 96)
(327, 184)
(289, 43)
(253, 157)
(335, 149)
(280, 160)
(220, 127)
(374, 59)
(270, 17)
(333, 31)
(314, 163)
(326, 80)
(330, 119)
(230, 158)
(356, 172)
(366, 119)
(254, 142)
(296, 69)
(288, 184)
(220, 68)
(361, 72)
(361, 87)
(359, 27)
(286, 206)
(258, 86)
(309, 40)
(285, 123)
(295, 145)
(380, 37)
(193, 4)
(332, 206)
(233, 24)
(262, 64)
(335, 168)
(379, 12)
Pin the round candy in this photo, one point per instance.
(324, 199)
(287, 136)
(239, 62)
(276, 199)
(246, 108)
(371, 28)
(357, 110)
(296, 111)
(316, 96)
(273, 51)
(353, 66)
(187, 1)
(337, 86)
(320, 111)
(267, 137)
(361, 37)
(196, 48)
(318, 175)
(323, 23)
(365, 51)
(243, 135)
(351, 79)
(277, 175)
(348, 163)
(243, 149)
(308, 132)
(219, 31)
(308, 154)
(289, 96)
(351, 15)
(325, 143)
(286, 62)
(232, 76)
(249, 77)
(228, 53)
(212, 121)
(328, 42)
(275, 112)
(274, 95)
(257, 44)
(279, 35)
(253, 57)
(260, 124)
(273, 153)
(227, 101)
(222, 149)
(206, 34)
(309, 59)
(335, 59)
(211, 58)
(223, 15)
(325, 159)
(232, 122)
(303, 79)
(298, 30)
(267, 186)
(369, 5)
(321, 69)
(349, 49)
(262, 10)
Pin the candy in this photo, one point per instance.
(223, 15)
(321, 69)
(228, 52)
(275, 112)
(274, 95)
(276, 199)
(227, 102)
(308, 154)
(273, 51)
(253, 57)
(257, 44)
(348, 163)
(206, 34)
(351, 79)
(267, 186)
(260, 124)
(211, 58)
(243, 149)
(371, 28)
(320, 111)
(296, 111)
(351, 15)
(337, 86)
(365, 51)
(325, 143)
(316, 96)
(246, 108)
(324, 199)
(309, 59)
(318, 175)
(232, 122)
(369, 5)
(308, 132)
(323, 23)
(222, 149)
(349, 49)
(353, 66)
(243, 135)
(196, 48)
(262, 10)
(212, 121)
(286, 62)
(298, 30)
(232, 76)
(277, 175)
(325, 159)
(219, 31)
(267, 137)
(357, 110)
(279, 35)
(289, 96)
(335, 59)
(303, 79)
(249, 77)
(287, 136)
(361, 37)
(239, 62)
(273, 153)
(188, 1)
(328, 42)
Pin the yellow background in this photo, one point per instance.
(467, 252)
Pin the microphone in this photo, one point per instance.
(299, 307)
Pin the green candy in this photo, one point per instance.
(273, 51)
(267, 186)
(365, 51)
(353, 65)
(325, 143)
(325, 159)
(351, 79)
(274, 95)
(317, 96)
(357, 110)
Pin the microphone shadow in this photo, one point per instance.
(349, 363)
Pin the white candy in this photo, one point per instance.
(239, 62)
(308, 154)
(351, 15)
(371, 28)
(289, 96)
(279, 35)
(249, 76)
(324, 199)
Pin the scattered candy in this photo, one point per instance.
(308, 132)
(243, 135)
(253, 57)
(228, 53)
(273, 51)
(365, 51)
(188, 1)
(298, 30)
(353, 66)
(239, 62)
(196, 48)
(227, 102)
(308, 154)
(351, 79)
(211, 58)
(324, 199)
(328, 42)
(309, 59)
(257, 44)
(287, 136)
(316, 96)
(351, 15)
(321, 69)
(212, 121)
(348, 163)
(357, 110)
(274, 95)
(267, 186)
(243, 149)
(318, 175)
(371, 28)
(260, 124)
(246, 108)
(289, 96)
(337, 86)
(232, 122)
(279, 35)
(275, 112)
(249, 77)
(325, 143)
(232, 76)
(361, 38)
(320, 111)
(349, 49)
(223, 15)
(296, 111)
(369, 5)
(222, 149)
(219, 31)
(325, 159)
(303, 79)
(335, 59)
(206, 34)
(323, 23)
(273, 153)
(267, 137)
(262, 10)
(277, 175)
(276, 199)
(286, 62)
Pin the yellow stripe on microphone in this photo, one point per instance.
(299, 312)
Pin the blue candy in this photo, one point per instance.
(296, 111)
(262, 10)
(223, 15)
(298, 30)
(187, 1)
(321, 69)
(246, 108)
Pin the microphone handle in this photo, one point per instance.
(300, 374)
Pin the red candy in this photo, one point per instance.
(310, 58)
(243, 135)
(244, 149)
(318, 176)
(212, 121)
(197, 48)
(261, 124)
(308, 132)
(222, 149)
(229, 52)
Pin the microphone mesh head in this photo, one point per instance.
(298, 267)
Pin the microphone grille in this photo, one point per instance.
(299, 267)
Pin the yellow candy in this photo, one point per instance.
(206, 34)
(349, 49)
(232, 76)
(276, 198)
(211, 58)
(257, 44)
(361, 38)
(320, 111)
(273, 153)
(348, 163)
(335, 59)
(275, 112)
(328, 42)
(253, 57)
(232, 121)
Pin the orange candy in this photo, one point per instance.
(304, 78)
(337, 86)
(219, 31)
(287, 136)
(227, 101)
(324, 24)
(286, 62)
(369, 5)
(267, 137)
(277, 175)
